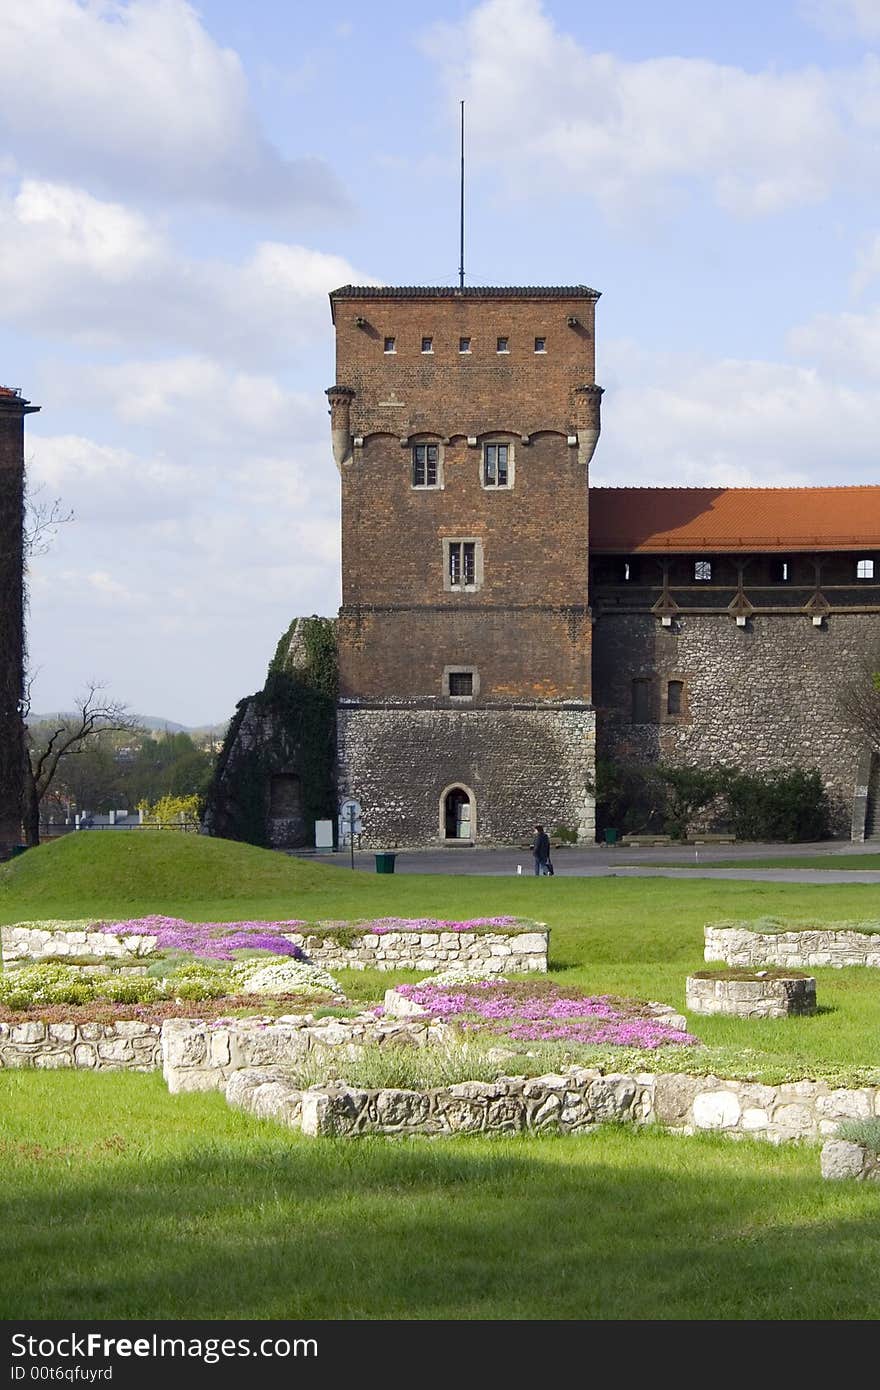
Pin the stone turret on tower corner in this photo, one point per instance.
(463, 424)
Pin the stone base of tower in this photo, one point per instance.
(428, 775)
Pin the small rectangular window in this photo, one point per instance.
(540, 345)
(464, 344)
(390, 344)
(427, 345)
(864, 569)
(461, 682)
(642, 712)
(503, 345)
(424, 465)
(702, 571)
(627, 571)
(674, 695)
(495, 472)
(462, 564)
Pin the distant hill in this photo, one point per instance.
(149, 721)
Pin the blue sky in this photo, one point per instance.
(180, 188)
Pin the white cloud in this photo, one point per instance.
(550, 113)
(100, 274)
(733, 423)
(840, 19)
(847, 344)
(139, 96)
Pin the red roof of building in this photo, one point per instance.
(664, 519)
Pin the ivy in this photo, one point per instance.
(293, 719)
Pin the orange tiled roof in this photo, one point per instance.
(664, 519)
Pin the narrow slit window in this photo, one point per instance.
(424, 465)
(495, 465)
(674, 697)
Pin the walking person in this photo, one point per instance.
(541, 851)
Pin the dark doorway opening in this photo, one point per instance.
(458, 815)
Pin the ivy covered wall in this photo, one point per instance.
(275, 775)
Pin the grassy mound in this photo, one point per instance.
(102, 872)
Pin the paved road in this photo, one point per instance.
(600, 861)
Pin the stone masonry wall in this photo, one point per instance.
(127, 1045)
(761, 698)
(200, 1055)
(26, 945)
(571, 1102)
(522, 765)
(486, 953)
(738, 946)
(493, 952)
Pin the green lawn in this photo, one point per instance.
(120, 1201)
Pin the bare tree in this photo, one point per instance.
(41, 521)
(64, 738)
(860, 699)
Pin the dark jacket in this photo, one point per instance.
(541, 847)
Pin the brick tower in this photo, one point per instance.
(463, 424)
(13, 409)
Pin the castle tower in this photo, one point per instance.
(13, 409)
(463, 423)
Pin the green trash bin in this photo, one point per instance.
(385, 863)
(610, 837)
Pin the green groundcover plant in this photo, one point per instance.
(866, 1132)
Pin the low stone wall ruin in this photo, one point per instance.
(201, 1055)
(739, 946)
(30, 945)
(565, 1103)
(549, 1104)
(484, 953)
(126, 1045)
(767, 998)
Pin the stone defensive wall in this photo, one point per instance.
(126, 1045)
(812, 947)
(486, 953)
(565, 1103)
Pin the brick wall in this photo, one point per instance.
(12, 411)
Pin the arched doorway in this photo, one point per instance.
(457, 814)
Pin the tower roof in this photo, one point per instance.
(468, 292)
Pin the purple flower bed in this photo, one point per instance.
(210, 940)
(545, 1013)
